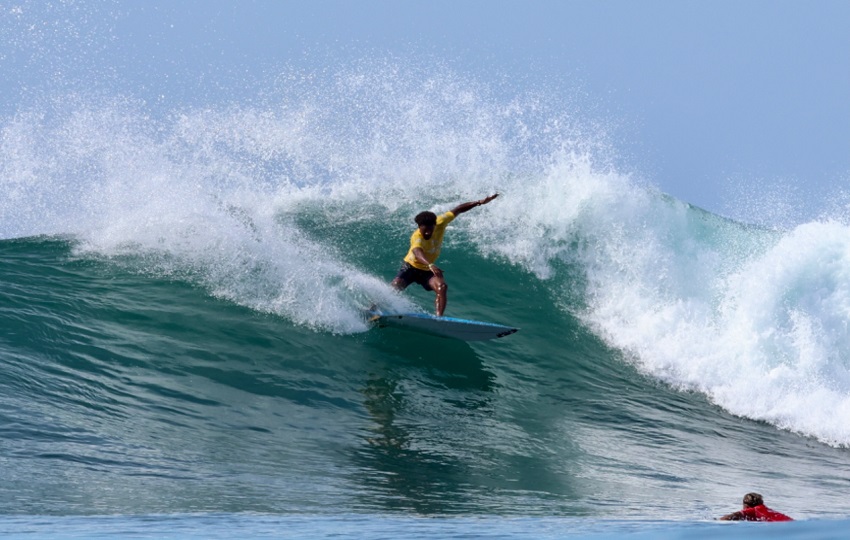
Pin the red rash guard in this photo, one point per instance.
(763, 513)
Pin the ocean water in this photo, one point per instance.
(183, 353)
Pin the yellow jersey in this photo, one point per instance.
(430, 247)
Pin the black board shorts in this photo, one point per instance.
(410, 274)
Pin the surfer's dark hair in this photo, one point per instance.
(426, 218)
(753, 499)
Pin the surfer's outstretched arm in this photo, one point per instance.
(465, 207)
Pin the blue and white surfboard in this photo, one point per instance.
(450, 327)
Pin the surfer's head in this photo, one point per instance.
(753, 499)
(426, 221)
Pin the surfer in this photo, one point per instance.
(755, 510)
(418, 266)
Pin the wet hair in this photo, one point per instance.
(753, 499)
(426, 218)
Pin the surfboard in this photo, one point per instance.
(449, 327)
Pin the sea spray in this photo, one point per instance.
(225, 195)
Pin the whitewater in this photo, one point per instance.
(182, 336)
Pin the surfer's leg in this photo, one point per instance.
(441, 288)
(399, 284)
(406, 275)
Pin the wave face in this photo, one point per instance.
(181, 314)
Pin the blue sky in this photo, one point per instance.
(710, 98)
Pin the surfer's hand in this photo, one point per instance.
(488, 199)
(435, 270)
